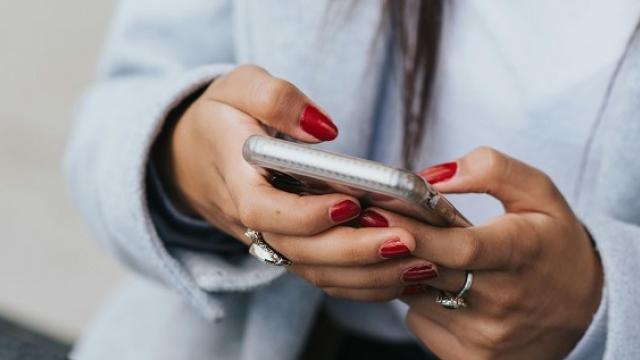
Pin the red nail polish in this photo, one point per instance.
(393, 248)
(413, 290)
(371, 218)
(422, 272)
(440, 172)
(344, 210)
(317, 124)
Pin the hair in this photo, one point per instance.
(416, 28)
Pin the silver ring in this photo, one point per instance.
(468, 281)
(449, 301)
(263, 252)
(454, 302)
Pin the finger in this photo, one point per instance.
(344, 246)
(275, 102)
(517, 185)
(396, 273)
(475, 331)
(424, 306)
(375, 295)
(264, 208)
(494, 295)
(495, 245)
(258, 205)
(436, 337)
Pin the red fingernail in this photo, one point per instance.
(393, 248)
(440, 172)
(413, 290)
(371, 218)
(344, 210)
(317, 124)
(422, 272)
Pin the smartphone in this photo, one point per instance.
(301, 169)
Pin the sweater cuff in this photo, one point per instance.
(181, 231)
(591, 346)
(215, 261)
(203, 276)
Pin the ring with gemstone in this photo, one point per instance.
(454, 302)
(263, 252)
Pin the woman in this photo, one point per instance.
(156, 168)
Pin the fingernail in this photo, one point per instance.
(344, 210)
(393, 248)
(317, 124)
(440, 172)
(413, 290)
(371, 218)
(422, 272)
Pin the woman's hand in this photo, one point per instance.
(537, 279)
(203, 163)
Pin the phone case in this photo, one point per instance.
(298, 168)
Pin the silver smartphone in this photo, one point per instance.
(301, 169)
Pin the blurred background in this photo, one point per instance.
(53, 276)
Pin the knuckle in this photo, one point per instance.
(470, 251)
(528, 252)
(228, 216)
(248, 215)
(248, 67)
(315, 278)
(546, 184)
(497, 164)
(494, 336)
(509, 300)
(274, 96)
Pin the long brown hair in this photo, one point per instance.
(416, 27)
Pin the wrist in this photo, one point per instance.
(166, 154)
(594, 281)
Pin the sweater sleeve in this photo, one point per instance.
(611, 213)
(157, 54)
(610, 334)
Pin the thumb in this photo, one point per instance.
(274, 102)
(517, 185)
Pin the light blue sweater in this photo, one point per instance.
(158, 53)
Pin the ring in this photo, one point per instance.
(454, 302)
(263, 252)
(468, 281)
(449, 301)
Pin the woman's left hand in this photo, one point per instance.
(537, 278)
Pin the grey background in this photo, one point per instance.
(52, 275)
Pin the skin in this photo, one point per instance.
(537, 278)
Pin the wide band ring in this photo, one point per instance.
(454, 302)
(263, 252)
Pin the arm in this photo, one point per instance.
(152, 65)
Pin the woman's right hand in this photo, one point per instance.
(211, 178)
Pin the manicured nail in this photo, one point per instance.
(418, 273)
(344, 210)
(393, 248)
(371, 218)
(413, 290)
(440, 172)
(317, 124)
